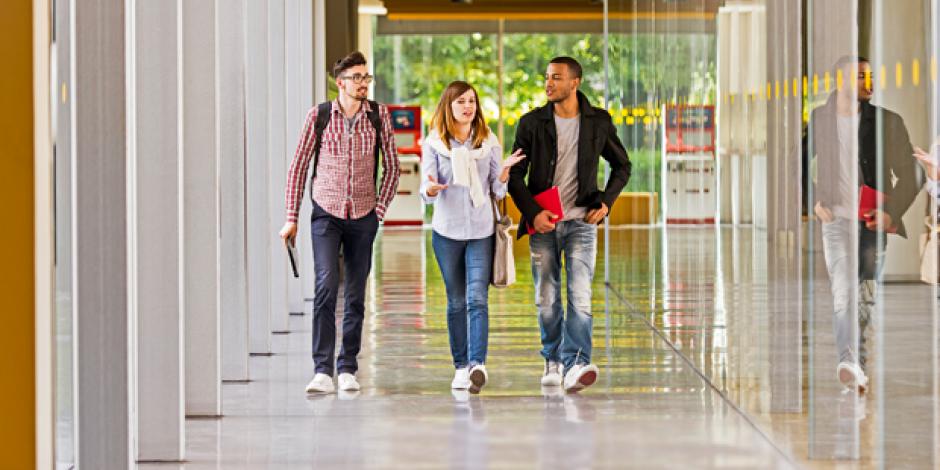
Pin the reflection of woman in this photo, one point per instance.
(461, 170)
(931, 167)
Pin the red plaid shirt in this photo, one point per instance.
(344, 184)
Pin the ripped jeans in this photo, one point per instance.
(565, 338)
(854, 258)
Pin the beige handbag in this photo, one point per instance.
(504, 265)
(929, 253)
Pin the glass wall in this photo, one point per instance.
(792, 254)
(651, 68)
(64, 324)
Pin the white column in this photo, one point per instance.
(231, 91)
(320, 73)
(154, 230)
(278, 153)
(201, 211)
(296, 112)
(306, 99)
(259, 221)
(97, 141)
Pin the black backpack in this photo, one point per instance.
(324, 112)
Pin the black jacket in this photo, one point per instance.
(897, 162)
(538, 139)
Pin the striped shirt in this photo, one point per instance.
(344, 185)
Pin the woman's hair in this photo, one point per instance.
(443, 120)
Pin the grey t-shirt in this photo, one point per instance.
(566, 168)
(849, 174)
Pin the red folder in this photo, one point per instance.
(870, 199)
(549, 200)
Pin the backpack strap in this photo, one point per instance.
(376, 121)
(323, 120)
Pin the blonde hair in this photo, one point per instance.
(444, 122)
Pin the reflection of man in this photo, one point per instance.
(844, 133)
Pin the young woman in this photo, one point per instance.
(462, 169)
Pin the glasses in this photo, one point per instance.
(359, 78)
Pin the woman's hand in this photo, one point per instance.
(516, 157)
(434, 189)
(930, 163)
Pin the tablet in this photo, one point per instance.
(292, 254)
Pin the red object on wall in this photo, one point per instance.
(695, 119)
(406, 121)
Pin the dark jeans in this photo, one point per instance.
(355, 237)
(466, 266)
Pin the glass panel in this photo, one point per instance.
(64, 335)
(903, 341)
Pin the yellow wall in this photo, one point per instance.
(631, 208)
(17, 363)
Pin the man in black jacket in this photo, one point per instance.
(843, 137)
(563, 140)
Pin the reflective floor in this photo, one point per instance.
(705, 363)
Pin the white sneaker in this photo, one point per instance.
(477, 378)
(579, 377)
(321, 383)
(460, 396)
(461, 379)
(851, 376)
(552, 375)
(347, 382)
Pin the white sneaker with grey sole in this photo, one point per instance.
(461, 379)
(551, 377)
(347, 382)
(321, 383)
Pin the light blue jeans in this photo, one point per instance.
(854, 258)
(565, 338)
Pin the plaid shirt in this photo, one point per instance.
(344, 184)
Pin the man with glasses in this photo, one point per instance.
(343, 139)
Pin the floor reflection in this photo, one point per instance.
(649, 409)
(756, 320)
(748, 317)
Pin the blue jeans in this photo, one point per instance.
(466, 266)
(355, 238)
(565, 338)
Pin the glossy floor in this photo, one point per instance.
(705, 363)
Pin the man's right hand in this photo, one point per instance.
(823, 213)
(544, 222)
(288, 232)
